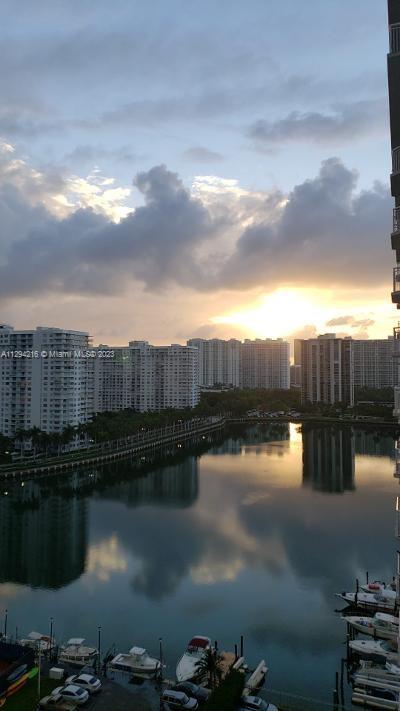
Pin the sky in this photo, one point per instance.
(170, 170)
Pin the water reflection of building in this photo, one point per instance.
(251, 436)
(328, 459)
(43, 536)
(374, 445)
(173, 485)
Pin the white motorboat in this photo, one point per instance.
(136, 662)
(371, 649)
(384, 600)
(39, 642)
(378, 586)
(381, 625)
(188, 665)
(75, 652)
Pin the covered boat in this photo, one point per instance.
(384, 601)
(371, 649)
(382, 625)
(76, 653)
(188, 665)
(378, 586)
(136, 662)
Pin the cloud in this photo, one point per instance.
(86, 253)
(363, 323)
(91, 154)
(345, 122)
(200, 154)
(214, 237)
(341, 321)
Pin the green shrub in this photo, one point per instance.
(226, 697)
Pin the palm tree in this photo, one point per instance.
(210, 666)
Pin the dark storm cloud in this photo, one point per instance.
(344, 123)
(86, 253)
(326, 234)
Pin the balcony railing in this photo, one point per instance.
(396, 219)
(394, 38)
(396, 280)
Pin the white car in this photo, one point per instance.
(178, 700)
(254, 703)
(87, 681)
(72, 692)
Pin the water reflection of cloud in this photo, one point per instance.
(257, 517)
(105, 558)
(253, 497)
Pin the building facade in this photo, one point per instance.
(374, 364)
(146, 378)
(251, 364)
(327, 374)
(219, 361)
(265, 364)
(46, 380)
(393, 64)
(165, 376)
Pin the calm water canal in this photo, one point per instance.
(250, 532)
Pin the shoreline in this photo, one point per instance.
(167, 435)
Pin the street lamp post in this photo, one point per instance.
(99, 648)
(51, 637)
(161, 662)
(5, 623)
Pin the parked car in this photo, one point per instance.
(87, 681)
(194, 690)
(179, 700)
(72, 692)
(57, 702)
(254, 703)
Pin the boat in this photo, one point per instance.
(374, 694)
(372, 649)
(384, 601)
(37, 640)
(188, 665)
(378, 586)
(74, 652)
(382, 625)
(136, 662)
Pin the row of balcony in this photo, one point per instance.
(394, 38)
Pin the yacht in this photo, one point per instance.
(378, 586)
(75, 652)
(39, 642)
(382, 625)
(187, 667)
(385, 600)
(136, 662)
(370, 649)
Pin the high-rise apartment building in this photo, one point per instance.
(326, 369)
(265, 364)
(219, 361)
(166, 376)
(251, 364)
(373, 362)
(393, 63)
(45, 379)
(145, 377)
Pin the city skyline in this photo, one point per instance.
(260, 202)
